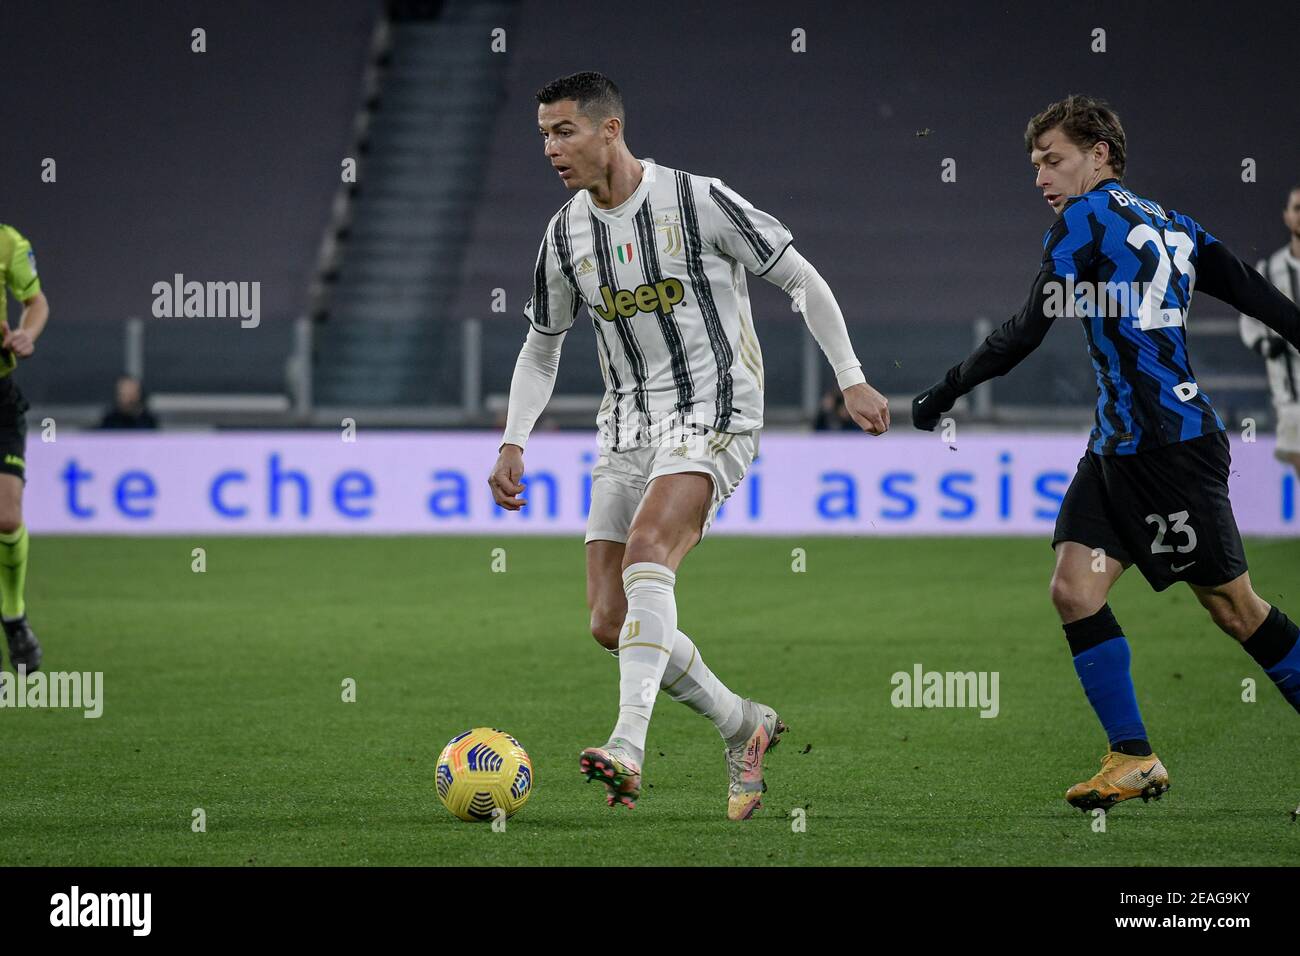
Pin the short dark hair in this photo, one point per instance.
(1086, 121)
(598, 98)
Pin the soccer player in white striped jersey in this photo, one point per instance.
(658, 258)
(1282, 359)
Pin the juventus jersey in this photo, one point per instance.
(1284, 370)
(662, 277)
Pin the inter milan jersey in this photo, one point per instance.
(1130, 268)
(1127, 269)
(662, 277)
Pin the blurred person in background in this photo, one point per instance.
(833, 414)
(18, 278)
(1281, 359)
(129, 410)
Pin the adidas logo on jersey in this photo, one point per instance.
(585, 267)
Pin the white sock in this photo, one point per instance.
(644, 647)
(688, 679)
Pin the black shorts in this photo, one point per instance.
(1165, 510)
(13, 430)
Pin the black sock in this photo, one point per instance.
(1134, 748)
(1272, 640)
(1275, 646)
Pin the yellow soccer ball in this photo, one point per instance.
(484, 774)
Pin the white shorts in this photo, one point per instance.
(619, 480)
(1288, 429)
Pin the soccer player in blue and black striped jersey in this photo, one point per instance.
(1152, 488)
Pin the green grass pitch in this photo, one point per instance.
(222, 691)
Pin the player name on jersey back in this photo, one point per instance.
(1126, 198)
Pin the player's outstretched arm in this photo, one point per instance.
(530, 391)
(1227, 278)
(796, 277)
(1005, 348)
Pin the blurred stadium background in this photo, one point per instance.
(377, 296)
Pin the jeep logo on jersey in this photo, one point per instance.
(659, 297)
